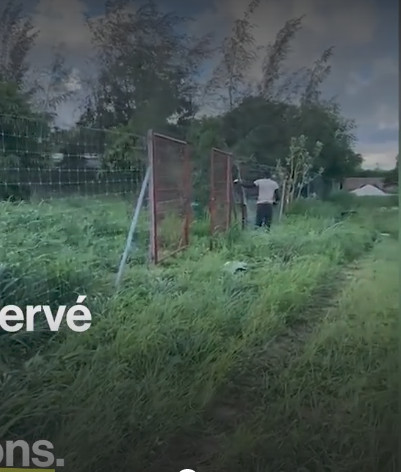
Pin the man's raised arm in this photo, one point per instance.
(243, 184)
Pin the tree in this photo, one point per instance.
(147, 67)
(52, 88)
(238, 53)
(393, 175)
(259, 127)
(21, 130)
(316, 75)
(124, 151)
(204, 134)
(263, 129)
(296, 172)
(17, 36)
(324, 123)
(276, 53)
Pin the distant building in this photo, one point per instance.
(353, 184)
(92, 161)
(84, 161)
(369, 191)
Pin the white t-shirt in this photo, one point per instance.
(266, 187)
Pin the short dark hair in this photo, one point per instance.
(267, 174)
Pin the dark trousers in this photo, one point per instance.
(264, 214)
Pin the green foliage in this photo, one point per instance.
(329, 377)
(324, 123)
(147, 76)
(392, 177)
(161, 349)
(258, 127)
(238, 52)
(348, 200)
(263, 130)
(26, 135)
(296, 171)
(203, 135)
(124, 150)
(17, 37)
(260, 121)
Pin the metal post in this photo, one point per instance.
(134, 224)
(243, 200)
(229, 193)
(153, 249)
(212, 200)
(188, 193)
(283, 196)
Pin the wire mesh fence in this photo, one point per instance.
(169, 195)
(41, 162)
(66, 203)
(221, 191)
(78, 189)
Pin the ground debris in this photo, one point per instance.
(235, 266)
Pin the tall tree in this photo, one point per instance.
(316, 75)
(324, 123)
(17, 36)
(147, 66)
(52, 86)
(264, 128)
(21, 130)
(238, 53)
(276, 54)
(392, 176)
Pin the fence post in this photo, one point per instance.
(133, 226)
(244, 215)
(283, 196)
(152, 200)
(230, 192)
(188, 193)
(212, 200)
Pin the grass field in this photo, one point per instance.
(289, 366)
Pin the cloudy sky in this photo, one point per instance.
(364, 33)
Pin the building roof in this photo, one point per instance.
(368, 190)
(352, 183)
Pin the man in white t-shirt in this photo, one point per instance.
(268, 195)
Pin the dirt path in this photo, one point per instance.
(231, 433)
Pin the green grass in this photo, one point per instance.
(334, 405)
(160, 350)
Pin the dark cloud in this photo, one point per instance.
(364, 32)
(381, 136)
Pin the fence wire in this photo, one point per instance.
(66, 203)
(38, 161)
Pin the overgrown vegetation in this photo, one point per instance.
(160, 350)
(280, 367)
(153, 76)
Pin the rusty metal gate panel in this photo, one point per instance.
(170, 193)
(221, 191)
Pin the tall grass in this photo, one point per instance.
(160, 349)
(333, 406)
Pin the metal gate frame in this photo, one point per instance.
(154, 249)
(243, 200)
(228, 200)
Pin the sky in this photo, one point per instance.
(364, 34)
